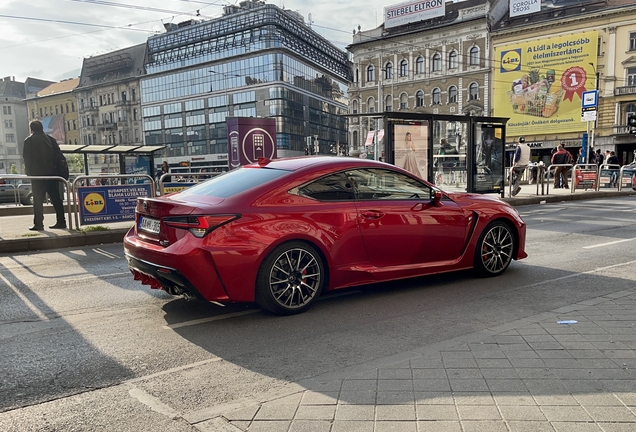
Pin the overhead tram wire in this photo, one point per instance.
(135, 7)
(75, 23)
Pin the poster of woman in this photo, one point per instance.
(411, 144)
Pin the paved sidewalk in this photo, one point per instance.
(535, 374)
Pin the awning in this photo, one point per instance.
(101, 149)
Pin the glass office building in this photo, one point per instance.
(257, 60)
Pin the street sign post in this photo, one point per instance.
(589, 104)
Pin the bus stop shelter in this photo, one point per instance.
(136, 159)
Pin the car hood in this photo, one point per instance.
(464, 198)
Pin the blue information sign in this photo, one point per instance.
(103, 204)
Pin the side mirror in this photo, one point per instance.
(436, 196)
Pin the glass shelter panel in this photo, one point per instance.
(489, 155)
(449, 149)
(411, 147)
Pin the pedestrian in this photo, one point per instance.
(599, 157)
(519, 164)
(39, 160)
(613, 160)
(561, 157)
(165, 169)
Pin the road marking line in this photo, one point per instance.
(210, 319)
(33, 308)
(608, 243)
(173, 370)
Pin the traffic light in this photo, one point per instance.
(631, 123)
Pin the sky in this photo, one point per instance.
(44, 39)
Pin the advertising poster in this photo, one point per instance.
(54, 126)
(104, 204)
(628, 180)
(413, 11)
(608, 178)
(489, 154)
(585, 178)
(137, 165)
(249, 138)
(411, 148)
(539, 84)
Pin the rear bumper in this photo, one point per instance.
(166, 278)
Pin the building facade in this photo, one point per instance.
(564, 52)
(257, 60)
(14, 119)
(55, 106)
(109, 101)
(438, 65)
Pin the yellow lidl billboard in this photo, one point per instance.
(539, 84)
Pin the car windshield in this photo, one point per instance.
(234, 182)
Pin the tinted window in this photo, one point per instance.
(376, 184)
(335, 187)
(235, 182)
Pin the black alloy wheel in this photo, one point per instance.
(494, 250)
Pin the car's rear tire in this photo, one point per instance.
(290, 279)
(494, 250)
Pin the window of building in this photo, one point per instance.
(631, 76)
(632, 41)
(404, 101)
(123, 96)
(419, 98)
(357, 78)
(419, 65)
(74, 124)
(599, 46)
(355, 139)
(8, 124)
(371, 105)
(9, 138)
(452, 60)
(135, 114)
(109, 100)
(136, 135)
(354, 106)
(473, 91)
(473, 56)
(134, 94)
(41, 113)
(101, 100)
(370, 73)
(72, 106)
(12, 151)
(437, 62)
(404, 68)
(452, 94)
(68, 125)
(436, 95)
(388, 103)
(388, 71)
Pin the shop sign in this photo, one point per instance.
(413, 11)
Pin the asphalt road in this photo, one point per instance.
(84, 347)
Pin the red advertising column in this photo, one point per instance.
(249, 138)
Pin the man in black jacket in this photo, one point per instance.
(39, 160)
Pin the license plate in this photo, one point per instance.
(150, 225)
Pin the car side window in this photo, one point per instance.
(381, 184)
(334, 187)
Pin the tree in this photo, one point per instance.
(13, 169)
(75, 163)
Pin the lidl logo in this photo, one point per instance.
(94, 202)
(511, 60)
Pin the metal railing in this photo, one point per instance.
(163, 177)
(16, 194)
(555, 166)
(527, 174)
(104, 176)
(585, 167)
(606, 167)
(66, 183)
(620, 176)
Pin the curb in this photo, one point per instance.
(539, 199)
(73, 240)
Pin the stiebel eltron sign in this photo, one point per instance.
(413, 11)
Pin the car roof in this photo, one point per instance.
(300, 162)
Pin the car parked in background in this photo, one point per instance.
(280, 232)
(8, 189)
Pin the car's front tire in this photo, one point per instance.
(290, 279)
(494, 250)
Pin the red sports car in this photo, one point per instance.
(280, 232)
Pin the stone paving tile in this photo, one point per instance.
(436, 412)
(617, 427)
(316, 398)
(431, 385)
(395, 385)
(489, 354)
(463, 374)
(478, 412)
(395, 374)
(611, 414)
(355, 412)
(575, 427)
(514, 399)
(315, 412)
(468, 385)
(506, 385)
(395, 413)
(565, 414)
(529, 426)
(396, 397)
(359, 385)
(499, 373)
(474, 398)
(484, 426)
(527, 412)
(357, 397)
(353, 426)
(310, 426)
(439, 426)
(460, 363)
(269, 426)
(395, 426)
(555, 400)
(276, 411)
(429, 373)
(434, 398)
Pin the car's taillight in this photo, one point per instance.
(199, 226)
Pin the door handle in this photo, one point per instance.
(372, 214)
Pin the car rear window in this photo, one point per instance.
(234, 182)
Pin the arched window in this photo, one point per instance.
(355, 139)
(404, 68)
(473, 91)
(437, 62)
(452, 94)
(354, 106)
(419, 65)
(474, 56)
(437, 96)
(419, 98)
(388, 103)
(404, 101)
(452, 60)
(370, 73)
(388, 71)
(371, 105)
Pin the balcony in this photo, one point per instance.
(627, 90)
(88, 109)
(107, 126)
(621, 130)
(123, 103)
